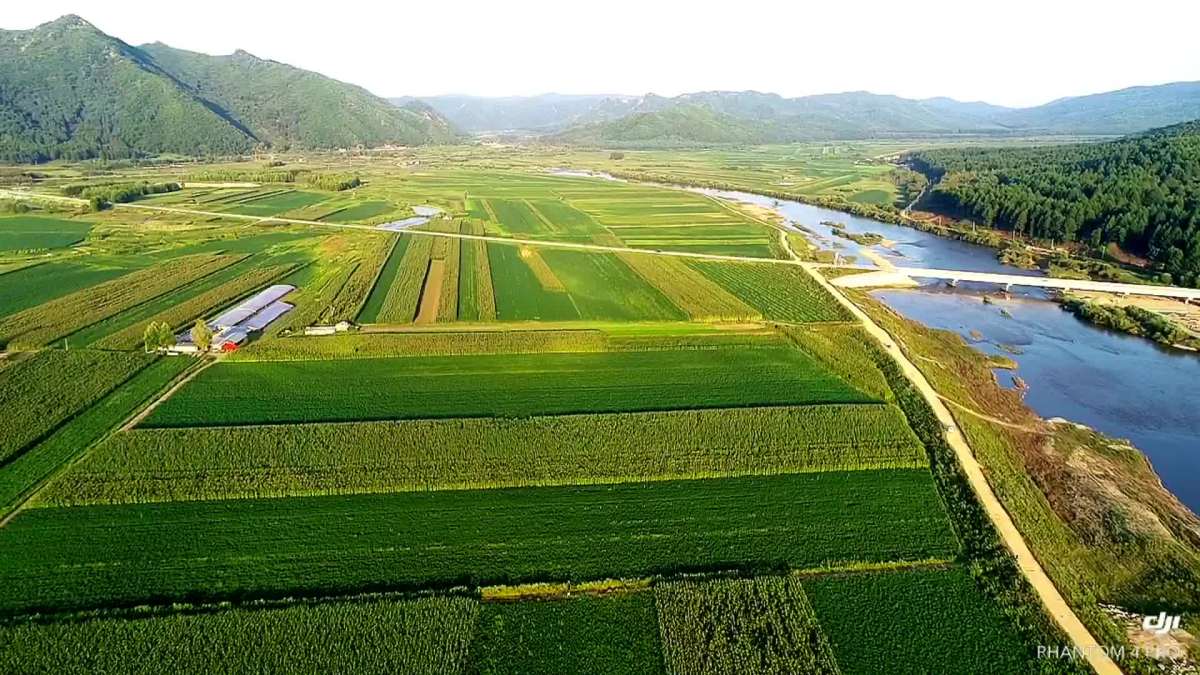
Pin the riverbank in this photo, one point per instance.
(1092, 508)
(1168, 322)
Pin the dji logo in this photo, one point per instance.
(1161, 624)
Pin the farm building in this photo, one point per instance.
(251, 306)
(339, 327)
(235, 325)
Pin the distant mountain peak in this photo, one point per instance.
(70, 90)
(69, 21)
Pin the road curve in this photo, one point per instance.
(1051, 599)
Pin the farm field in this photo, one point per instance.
(614, 634)
(504, 385)
(428, 636)
(26, 233)
(21, 474)
(469, 456)
(305, 459)
(37, 284)
(96, 556)
(912, 602)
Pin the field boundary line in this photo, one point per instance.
(1052, 600)
(600, 248)
(25, 499)
(175, 386)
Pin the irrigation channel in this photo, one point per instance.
(1124, 386)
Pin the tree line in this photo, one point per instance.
(1141, 192)
(100, 196)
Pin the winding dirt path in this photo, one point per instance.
(1047, 592)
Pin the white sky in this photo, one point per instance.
(1009, 52)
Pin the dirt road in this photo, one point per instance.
(1053, 601)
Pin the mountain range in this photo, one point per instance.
(69, 90)
(755, 117)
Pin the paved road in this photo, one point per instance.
(1047, 592)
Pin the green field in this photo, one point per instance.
(359, 211)
(42, 283)
(29, 233)
(25, 472)
(116, 555)
(949, 626)
(421, 637)
(762, 625)
(387, 276)
(260, 461)
(57, 385)
(616, 634)
(506, 385)
(520, 296)
(275, 203)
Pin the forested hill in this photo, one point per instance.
(1141, 192)
(285, 106)
(676, 126)
(67, 90)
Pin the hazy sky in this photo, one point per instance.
(1010, 52)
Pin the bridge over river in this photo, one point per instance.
(893, 276)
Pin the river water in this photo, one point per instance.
(1123, 386)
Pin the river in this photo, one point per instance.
(1123, 386)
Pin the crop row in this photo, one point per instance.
(404, 293)
(263, 461)
(314, 298)
(746, 626)
(180, 315)
(476, 297)
(448, 301)
(779, 292)
(352, 295)
(45, 323)
(504, 385)
(417, 637)
(434, 343)
(104, 556)
(692, 292)
(26, 471)
(40, 392)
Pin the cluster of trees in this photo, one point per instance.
(244, 176)
(1132, 320)
(330, 182)
(100, 196)
(333, 182)
(1140, 192)
(158, 335)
